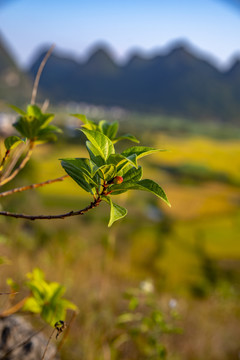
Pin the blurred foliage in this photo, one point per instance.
(45, 299)
(190, 252)
(142, 326)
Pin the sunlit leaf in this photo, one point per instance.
(108, 129)
(12, 141)
(88, 124)
(117, 212)
(94, 154)
(18, 110)
(131, 177)
(34, 110)
(101, 142)
(81, 117)
(154, 188)
(107, 172)
(32, 305)
(126, 137)
(46, 298)
(122, 161)
(140, 151)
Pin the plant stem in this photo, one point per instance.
(4, 158)
(21, 166)
(33, 186)
(8, 293)
(49, 339)
(11, 163)
(93, 204)
(67, 331)
(40, 69)
(13, 309)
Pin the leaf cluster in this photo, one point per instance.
(33, 125)
(106, 128)
(97, 174)
(46, 298)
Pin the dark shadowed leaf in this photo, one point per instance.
(80, 171)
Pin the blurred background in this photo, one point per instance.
(169, 72)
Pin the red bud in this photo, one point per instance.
(118, 180)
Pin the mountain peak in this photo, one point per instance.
(100, 59)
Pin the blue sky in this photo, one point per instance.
(211, 26)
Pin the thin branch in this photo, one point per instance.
(14, 308)
(93, 204)
(40, 69)
(9, 293)
(16, 156)
(49, 339)
(21, 166)
(4, 158)
(67, 331)
(33, 186)
(45, 105)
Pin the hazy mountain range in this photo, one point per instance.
(15, 85)
(178, 83)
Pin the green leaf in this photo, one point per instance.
(122, 161)
(108, 129)
(18, 110)
(37, 274)
(48, 133)
(131, 159)
(46, 298)
(101, 142)
(145, 185)
(69, 305)
(47, 314)
(140, 151)
(57, 292)
(34, 110)
(28, 127)
(94, 154)
(116, 159)
(117, 212)
(80, 171)
(32, 305)
(126, 137)
(31, 123)
(153, 187)
(12, 141)
(131, 177)
(38, 290)
(107, 172)
(81, 117)
(88, 124)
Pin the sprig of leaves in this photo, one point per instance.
(106, 128)
(46, 298)
(107, 173)
(34, 125)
